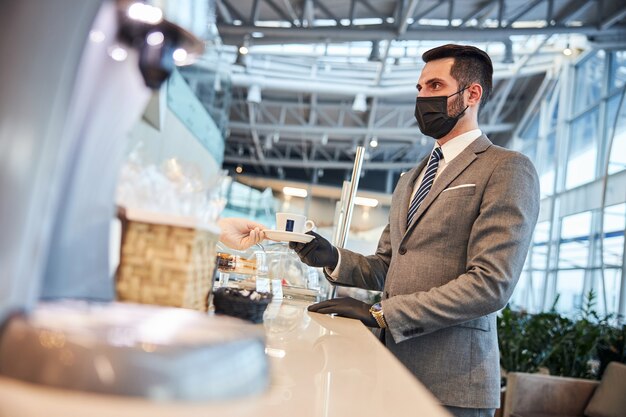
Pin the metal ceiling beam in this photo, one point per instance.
(613, 19)
(347, 131)
(450, 12)
(425, 13)
(476, 13)
(501, 7)
(279, 11)
(327, 12)
(234, 34)
(299, 163)
(254, 14)
(308, 13)
(408, 12)
(371, 8)
(550, 12)
(522, 12)
(224, 12)
(351, 13)
(254, 132)
(572, 10)
(403, 89)
(291, 11)
(233, 11)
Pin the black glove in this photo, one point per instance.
(318, 252)
(346, 307)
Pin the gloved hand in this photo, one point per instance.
(346, 307)
(318, 252)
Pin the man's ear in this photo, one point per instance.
(475, 93)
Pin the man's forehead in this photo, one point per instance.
(439, 68)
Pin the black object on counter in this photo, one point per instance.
(244, 304)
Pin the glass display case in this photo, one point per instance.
(272, 262)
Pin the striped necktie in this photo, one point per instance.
(427, 183)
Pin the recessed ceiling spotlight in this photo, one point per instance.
(180, 55)
(96, 36)
(145, 13)
(155, 38)
(118, 53)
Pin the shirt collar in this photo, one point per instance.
(452, 148)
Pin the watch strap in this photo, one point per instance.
(377, 312)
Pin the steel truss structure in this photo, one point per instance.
(322, 77)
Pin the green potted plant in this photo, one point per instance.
(578, 348)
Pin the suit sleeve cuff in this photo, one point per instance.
(333, 274)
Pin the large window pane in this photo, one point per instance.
(547, 165)
(530, 151)
(541, 240)
(589, 81)
(528, 294)
(618, 70)
(581, 161)
(530, 132)
(573, 258)
(554, 110)
(617, 160)
(612, 252)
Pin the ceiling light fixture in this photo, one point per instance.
(155, 38)
(145, 13)
(365, 201)
(359, 104)
(254, 94)
(242, 55)
(118, 53)
(295, 192)
(97, 36)
(568, 51)
(180, 56)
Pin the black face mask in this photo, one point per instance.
(432, 116)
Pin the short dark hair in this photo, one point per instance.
(471, 65)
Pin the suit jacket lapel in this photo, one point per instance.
(453, 170)
(408, 190)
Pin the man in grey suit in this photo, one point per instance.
(459, 228)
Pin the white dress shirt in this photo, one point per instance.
(451, 149)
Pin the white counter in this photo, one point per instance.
(321, 366)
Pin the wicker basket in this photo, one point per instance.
(235, 302)
(166, 265)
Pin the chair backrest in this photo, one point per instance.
(609, 400)
(528, 394)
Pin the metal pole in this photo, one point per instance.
(348, 194)
(354, 185)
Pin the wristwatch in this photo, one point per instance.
(377, 312)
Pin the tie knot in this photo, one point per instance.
(437, 154)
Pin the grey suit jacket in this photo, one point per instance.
(446, 275)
